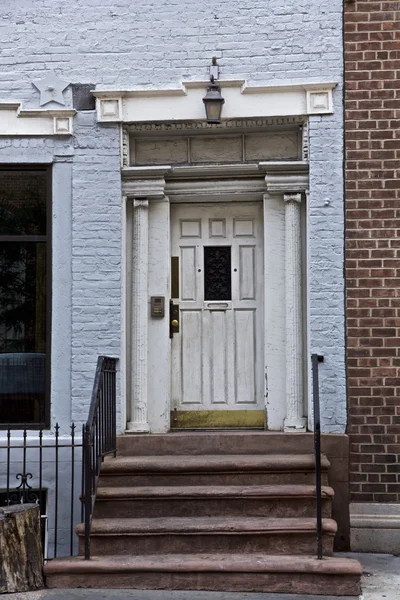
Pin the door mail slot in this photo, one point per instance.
(218, 305)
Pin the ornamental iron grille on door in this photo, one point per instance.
(217, 273)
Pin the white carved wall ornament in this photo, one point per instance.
(242, 101)
(51, 89)
(319, 102)
(109, 110)
(124, 147)
(14, 120)
(63, 125)
(305, 142)
(253, 124)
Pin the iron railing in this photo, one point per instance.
(315, 359)
(36, 467)
(100, 436)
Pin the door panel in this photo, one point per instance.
(217, 354)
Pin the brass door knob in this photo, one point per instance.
(175, 323)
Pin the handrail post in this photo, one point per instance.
(88, 489)
(315, 359)
(99, 437)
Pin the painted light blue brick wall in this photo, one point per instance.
(159, 44)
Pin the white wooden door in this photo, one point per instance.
(217, 355)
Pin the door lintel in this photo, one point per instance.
(215, 183)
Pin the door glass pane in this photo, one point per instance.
(217, 273)
(22, 331)
(23, 202)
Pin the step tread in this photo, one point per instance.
(206, 563)
(203, 491)
(211, 462)
(204, 525)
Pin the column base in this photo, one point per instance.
(132, 427)
(295, 425)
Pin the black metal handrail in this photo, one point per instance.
(100, 436)
(315, 359)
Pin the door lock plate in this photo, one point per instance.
(173, 318)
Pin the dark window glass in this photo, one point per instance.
(23, 207)
(24, 326)
(217, 273)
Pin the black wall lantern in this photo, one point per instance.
(213, 102)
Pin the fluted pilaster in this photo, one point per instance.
(138, 413)
(295, 420)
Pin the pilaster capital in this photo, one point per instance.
(292, 197)
(144, 182)
(140, 203)
(286, 178)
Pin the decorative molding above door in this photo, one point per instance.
(241, 101)
(215, 183)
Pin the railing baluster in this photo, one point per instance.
(315, 359)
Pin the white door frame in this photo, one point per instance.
(281, 187)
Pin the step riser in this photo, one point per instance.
(215, 443)
(284, 583)
(279, 543)
(211, 479)
(224, 507)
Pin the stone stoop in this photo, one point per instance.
(205, 511)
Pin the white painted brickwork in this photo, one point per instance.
(159, 44)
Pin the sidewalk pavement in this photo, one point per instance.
(380, 581)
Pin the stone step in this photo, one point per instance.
(186, 501)
(223, 572)
(219, 442)
(182, 535)
(240, 469)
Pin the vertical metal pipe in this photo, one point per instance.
(114, 409)
(83, 475)
(103, 416)
(88, 490)
(40, 461)
(8, 465)
(317, 449)
(57, 430)
(71, 533)
(24, 473)
(107, 411)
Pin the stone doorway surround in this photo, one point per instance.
(281, 187)
(148, 190)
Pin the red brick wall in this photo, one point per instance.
(372, 109)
